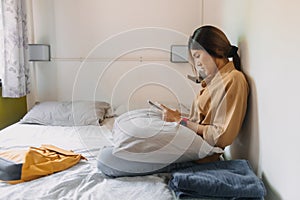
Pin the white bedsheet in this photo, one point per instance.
(82, 181)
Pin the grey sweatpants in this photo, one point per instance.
(113, 166)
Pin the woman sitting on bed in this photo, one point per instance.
(218, 109)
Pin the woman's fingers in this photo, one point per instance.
(166, 113)
(164, 107)
(170, 115)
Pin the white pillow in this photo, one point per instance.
(142, 136)
(68, 113)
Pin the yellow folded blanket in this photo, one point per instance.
(17, 166)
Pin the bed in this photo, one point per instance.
(83, 127)
(84, 180)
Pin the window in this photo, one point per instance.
(1, 45)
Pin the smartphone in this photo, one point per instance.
(155, 105)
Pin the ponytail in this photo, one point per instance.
(235, 57)
(237, 61)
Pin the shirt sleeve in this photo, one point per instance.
(228, 114)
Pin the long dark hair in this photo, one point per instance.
(215, 42)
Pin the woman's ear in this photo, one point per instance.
(220, 62)
(220, 53)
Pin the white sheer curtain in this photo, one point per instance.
(1, 44)
(15, 80)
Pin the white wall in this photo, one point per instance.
(116, 39)
(267, 33)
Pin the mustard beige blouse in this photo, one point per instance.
(221, 105)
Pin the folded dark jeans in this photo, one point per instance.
(232, 179)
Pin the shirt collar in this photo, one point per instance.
(227, 68)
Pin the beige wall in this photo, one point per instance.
(267, 33)
(113, 36)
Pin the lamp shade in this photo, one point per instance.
(39, 52)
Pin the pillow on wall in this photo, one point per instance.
(142, 136)
(68, 113)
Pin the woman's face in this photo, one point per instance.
(204, 62)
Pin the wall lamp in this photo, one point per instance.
(180, 54)
(39, 52)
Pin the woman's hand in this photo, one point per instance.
(170, 115)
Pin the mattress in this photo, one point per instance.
(84, 180)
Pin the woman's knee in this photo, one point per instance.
(113, 166)
(104, 158)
